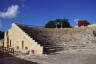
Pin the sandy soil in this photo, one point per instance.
(14, 60)
(82, 57)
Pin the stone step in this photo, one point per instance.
(53, 46)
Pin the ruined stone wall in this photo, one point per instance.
(1, 42)
(14, 38)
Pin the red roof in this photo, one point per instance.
(83, 23)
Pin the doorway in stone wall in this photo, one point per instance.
(7, 44)
(22, 44)
(32, 51)
(10, 43)
(7, 39)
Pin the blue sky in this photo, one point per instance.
(39, 12)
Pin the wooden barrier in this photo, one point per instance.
(7, 51)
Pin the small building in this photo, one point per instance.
(19, 40)
(83, 23)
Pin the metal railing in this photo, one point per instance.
(7, 51)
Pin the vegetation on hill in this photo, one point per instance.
(1, 35)
(58, 23)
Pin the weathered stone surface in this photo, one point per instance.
(52, 39)
(81, 37)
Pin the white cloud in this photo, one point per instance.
(11, 12)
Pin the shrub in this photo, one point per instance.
(58, 23)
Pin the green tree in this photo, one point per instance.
(1, 35)
(58, 23)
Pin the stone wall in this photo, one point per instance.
(17, 39)
(1, 42)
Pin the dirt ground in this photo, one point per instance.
(62, 58)
(14, 60)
